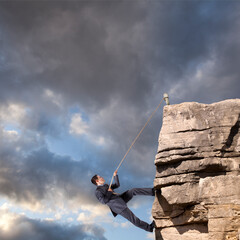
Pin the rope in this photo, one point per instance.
(136, 139)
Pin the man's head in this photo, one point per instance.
(97, 180)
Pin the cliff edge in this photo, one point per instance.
(198, 171)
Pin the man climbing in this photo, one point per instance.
(118, 202)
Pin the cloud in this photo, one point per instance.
(19, 227)
(13, 113)
(87, 68)
(150, 236)
(44, 176)
(91, 214)
(53, 97)
(36, 178)
(91, 53)
(77, 125)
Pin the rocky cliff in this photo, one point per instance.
(198, 170)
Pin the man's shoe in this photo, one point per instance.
(156, 191)
(152, 226)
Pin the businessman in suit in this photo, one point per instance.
(118, 202)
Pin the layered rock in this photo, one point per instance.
(197, 166)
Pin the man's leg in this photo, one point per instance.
(128, 195)
(129, 215)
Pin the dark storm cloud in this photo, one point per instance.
(26, 228)
(92, 52)
(86, 51)
(188, 35)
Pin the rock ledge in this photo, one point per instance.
(197, 165)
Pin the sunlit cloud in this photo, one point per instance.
(12, 135)
(15, 226)
(91, 214)
(7, 219)
(78, 126)
(13, 113)
(150, 236)
(125, 225)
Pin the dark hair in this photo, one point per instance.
(94, 179)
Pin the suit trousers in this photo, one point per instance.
(128, 214)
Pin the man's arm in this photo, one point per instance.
(117, 183)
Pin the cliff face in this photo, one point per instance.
(198, 166)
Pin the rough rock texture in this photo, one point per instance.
(197, 166)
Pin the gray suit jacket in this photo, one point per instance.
(114, 201)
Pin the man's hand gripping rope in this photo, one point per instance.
(114, 174)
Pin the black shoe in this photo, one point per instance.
(156, 192)
(152, 226)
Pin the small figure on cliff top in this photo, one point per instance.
(118, 202)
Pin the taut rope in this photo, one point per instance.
(165, 97)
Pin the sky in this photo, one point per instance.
(78, 80)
